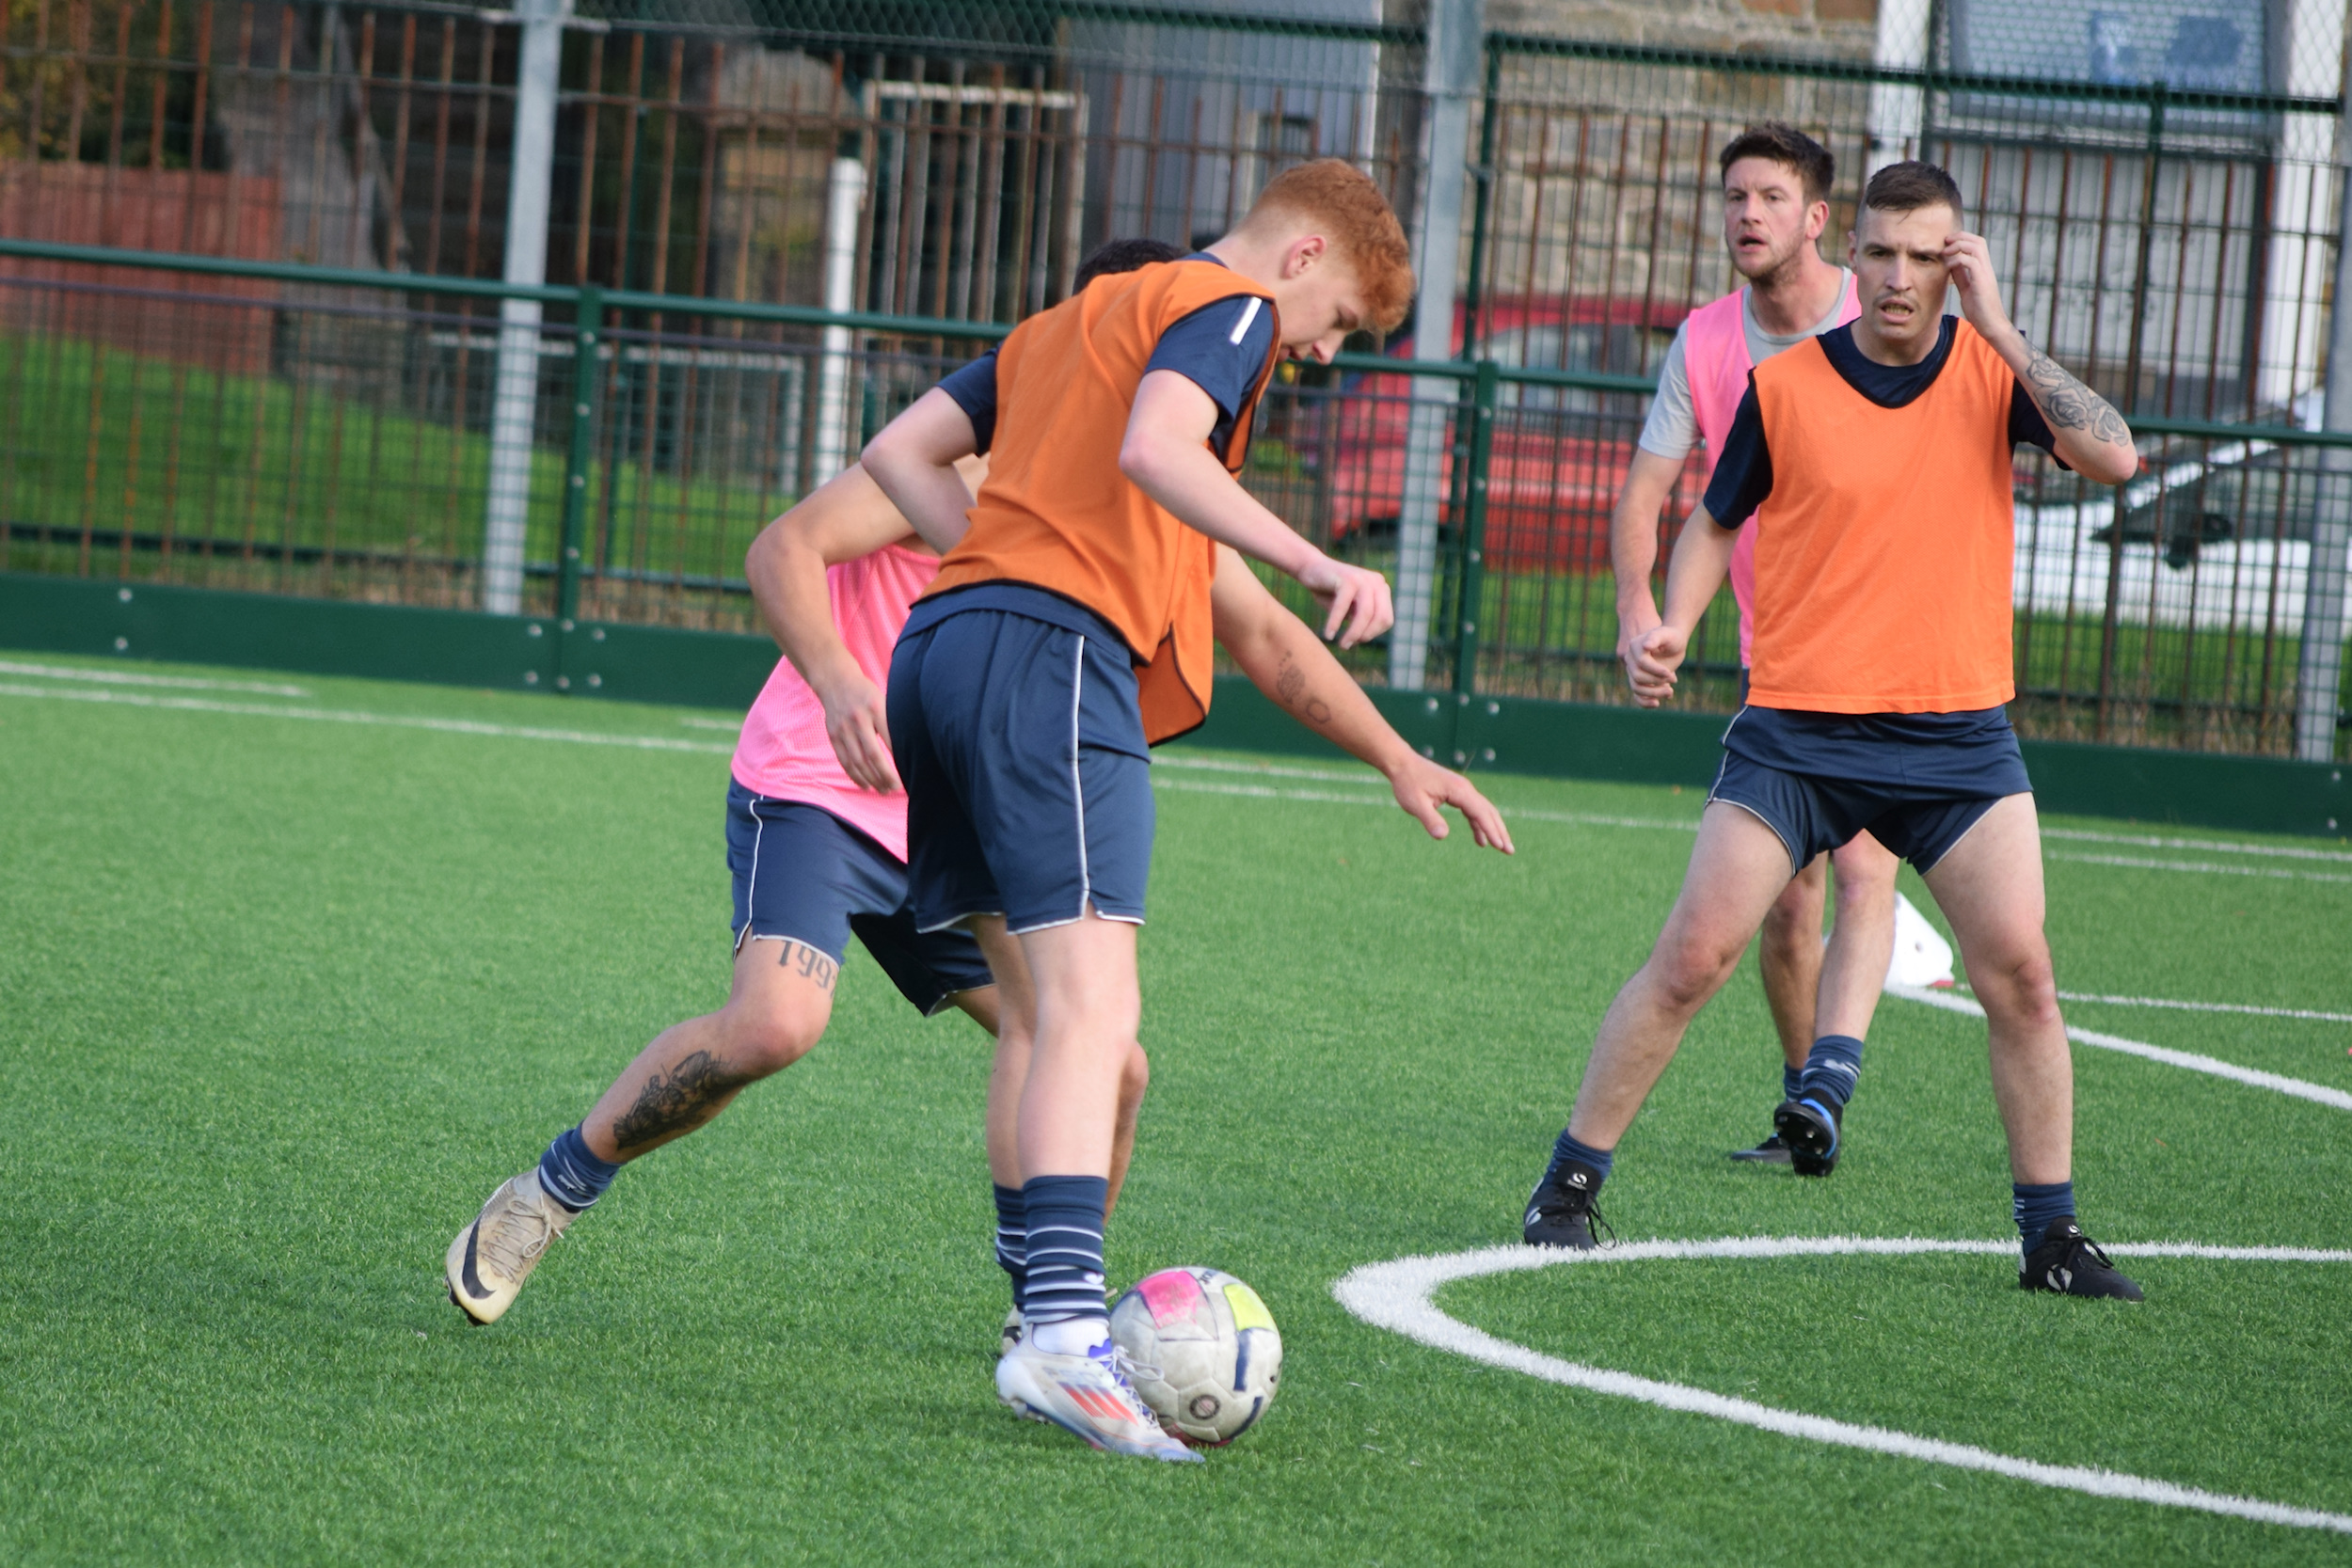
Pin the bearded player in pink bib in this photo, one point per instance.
(1776, 181)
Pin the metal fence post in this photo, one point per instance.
(1473, 574)
(2319, 668)
(2111, 614)
(1456, 33)
(587, 345)
(515, 392)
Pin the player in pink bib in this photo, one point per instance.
(1776, 184)
(817, 848)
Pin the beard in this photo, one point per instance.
(1781, 268)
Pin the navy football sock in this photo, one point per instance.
(1830, 1070)
(1064, 1217)
(1568, 1151)
(571, 1175)
(1791, 1081)
(2039, 1207)
(1012, 1238)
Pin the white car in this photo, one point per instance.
(2214, 535)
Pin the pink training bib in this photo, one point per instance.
(1715, 361)
(784, 752)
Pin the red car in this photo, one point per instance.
(1560, 453)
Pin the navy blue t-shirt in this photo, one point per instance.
(1743, 474)
(1220, 348)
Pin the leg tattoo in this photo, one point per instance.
(669, 1105)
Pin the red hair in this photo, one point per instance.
(1340, 201)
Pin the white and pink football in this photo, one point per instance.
(1208, 1357)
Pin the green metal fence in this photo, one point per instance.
(299, 429)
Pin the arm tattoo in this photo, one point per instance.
(2067, 404)
(1291, 686)
(673, 1103)
(809, 962)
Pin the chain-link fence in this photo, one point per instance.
(2161, 199)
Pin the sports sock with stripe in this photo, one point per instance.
(571, 1175)
(2037, 1207)
(1791, 1081)
(1568, 1151)
(1062, 1298)
(1830, 1070)
(1012, 1238)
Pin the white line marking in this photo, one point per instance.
(2137, 864)
(1267, 769)
(1395, 1296)
(2204, 1006)
(2085, 835)
(129, 677)
(392, 721)
(732, 726)
(1512, 814)
(2317, 1092)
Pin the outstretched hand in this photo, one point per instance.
(1421, 787)
(857, 722)
(1357, 606)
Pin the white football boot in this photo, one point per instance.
(1088, 1396)
(1010, 1335)
(491, 1257)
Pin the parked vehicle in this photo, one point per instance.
(2213, 534)
(1560, 453)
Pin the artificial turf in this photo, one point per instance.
(281, 999)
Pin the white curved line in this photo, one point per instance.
(1395, 1296)
(2319, 1094)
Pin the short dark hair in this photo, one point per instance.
(1116, 256)
(1907, 187)
(1789, 147)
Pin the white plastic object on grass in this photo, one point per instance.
(1921, 956)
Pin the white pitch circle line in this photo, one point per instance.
(1396, 1296)
(2319, 1094)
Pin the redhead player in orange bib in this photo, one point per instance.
(1873, 464)
(1776, 181)
(817, 846)
(1070, 629)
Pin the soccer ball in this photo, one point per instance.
(1208, 1357)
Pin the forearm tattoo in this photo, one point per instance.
(2067, 404)
(809, 962)
(1291, 686)
(680, 1100)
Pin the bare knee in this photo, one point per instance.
(1795, 917)
(765, 1040)
(1866, 879)
(2018, 989)
(1688, 967)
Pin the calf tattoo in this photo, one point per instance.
(809, 962)
(672, 1103)
(2067, 404)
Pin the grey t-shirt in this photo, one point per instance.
(1672, 426)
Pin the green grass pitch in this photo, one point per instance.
(283, 999)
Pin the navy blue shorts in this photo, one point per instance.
(1917, 783)
(803, 875)
(1029, 782)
